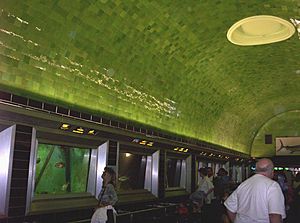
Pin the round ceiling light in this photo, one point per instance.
(258, 30)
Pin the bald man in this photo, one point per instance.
(258, 199)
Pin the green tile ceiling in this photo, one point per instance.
(281, 125)
(166, 64)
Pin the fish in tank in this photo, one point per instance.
(59, 164)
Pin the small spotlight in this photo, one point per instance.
(176, 148)
(186, 150)
(91, 132)
(78, 130)
(64, 126)
(150, 144)
(181, 149)
(127, 154)
(143, 142)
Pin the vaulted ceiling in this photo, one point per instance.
(166, 64)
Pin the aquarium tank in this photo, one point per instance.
(174, 166)
(61, 169)
(132, 168)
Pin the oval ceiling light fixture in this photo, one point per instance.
(258, 30)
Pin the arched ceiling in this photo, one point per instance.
(281, 125)
(166, 64)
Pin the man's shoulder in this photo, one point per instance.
(258, 179)
(266, 180)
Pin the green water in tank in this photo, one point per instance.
(61, 169)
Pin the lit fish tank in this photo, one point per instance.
(132, 169)
(61, 169)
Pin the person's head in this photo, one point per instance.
(109, 176)
(222, 172)
(265, 167)
(203, 172)
(209, 171)
(281, 177)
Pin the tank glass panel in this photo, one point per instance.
(174, 166)
(132, 168)
(61, 169)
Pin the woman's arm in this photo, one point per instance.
(110, 196)
(114, 195)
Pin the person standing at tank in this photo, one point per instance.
(209, 208)
(210, 174)
(258, 199)
(222, 184)
(205, 188)
(107, 197)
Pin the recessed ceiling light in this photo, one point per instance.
(78, 130)
(91, 132)
(65, 126)
(127, 154)
(143, 142)
(258, 30)
(150, 144)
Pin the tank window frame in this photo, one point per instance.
(185, 184)
(54, 203)
(6, 161)
(150, 190)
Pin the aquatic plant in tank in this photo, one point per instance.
(61, 169)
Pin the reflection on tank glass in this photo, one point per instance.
(61, 169)
(132, 169)
(173, 172)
